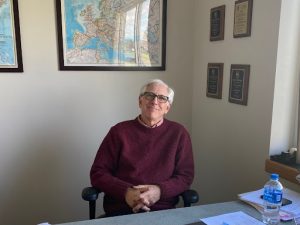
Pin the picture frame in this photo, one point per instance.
(242, 18)
(239, 83)
(214, 80)
(121, 35)
(10, 37)
(217, 23)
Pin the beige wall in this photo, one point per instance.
(52, 122)
(232, 141)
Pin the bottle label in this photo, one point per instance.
(272, 196)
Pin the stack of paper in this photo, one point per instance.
(287, 212)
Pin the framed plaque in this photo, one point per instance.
(214, 80)
(217, 23)
(114, 35)
(239, 83)
(242, 18)
(10, 38)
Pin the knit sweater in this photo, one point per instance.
(132, 154)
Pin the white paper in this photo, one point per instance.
(297, 219)
(294, 208)
(235, 218)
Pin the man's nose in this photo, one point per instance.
(155, 100)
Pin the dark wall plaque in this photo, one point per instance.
(214, 80)
(217, 22)
(239, 83)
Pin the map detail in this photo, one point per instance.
(7, 45)
(112, 32)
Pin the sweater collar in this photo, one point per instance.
(139, 118)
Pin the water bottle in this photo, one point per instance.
(272, 200)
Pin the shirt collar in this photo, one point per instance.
(153, 126)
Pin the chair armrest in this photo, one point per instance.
(189, 197)
(90, 194)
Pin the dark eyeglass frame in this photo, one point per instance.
(151, 96)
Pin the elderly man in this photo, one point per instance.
(145, 163)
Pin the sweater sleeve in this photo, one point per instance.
(104, 167)
(184, 170)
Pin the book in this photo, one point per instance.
(287, 212)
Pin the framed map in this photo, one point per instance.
(10, 40)
(111, 34)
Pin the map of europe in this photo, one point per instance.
(7, 48)
(112, 32)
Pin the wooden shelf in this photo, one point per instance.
(284, 171)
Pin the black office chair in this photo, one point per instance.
(90, 194)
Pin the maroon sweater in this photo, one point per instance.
(132, 154)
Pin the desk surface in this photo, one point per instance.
(179, 216)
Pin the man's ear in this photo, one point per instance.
(140, 101)
(168, 108)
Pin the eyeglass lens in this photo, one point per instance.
(151, 96)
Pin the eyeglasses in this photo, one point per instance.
(151, 96)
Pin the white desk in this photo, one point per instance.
(179, 216)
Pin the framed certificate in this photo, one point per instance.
(242, 18)
(10, 38)
(217, 23)
(214, 80)
(239, 83)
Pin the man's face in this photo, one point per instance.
(153, 110)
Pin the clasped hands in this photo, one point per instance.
(142, 197)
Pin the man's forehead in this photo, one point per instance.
(160, 87)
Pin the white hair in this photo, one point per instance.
(158, 81)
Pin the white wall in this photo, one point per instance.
(52, 122)
(284, 134)
(232, 141)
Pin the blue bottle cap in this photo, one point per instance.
(274, 176)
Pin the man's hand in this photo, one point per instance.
(132, 197)
(142, 197)
(150, 194)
